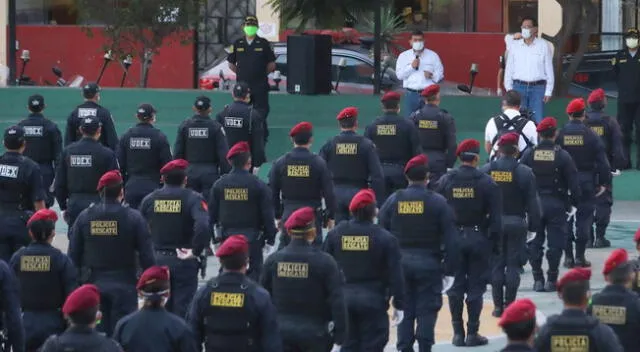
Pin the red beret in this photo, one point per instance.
(418, 160)
(616, 258)
(178, 164)
(548, 123)
(153, 274)
(362, 199)
(636, 238)
(233, 245)
(300, 220)
(238, 148)
(573, 275)
(510, 138)
(43, 214)
(82, 298)
(468, 146)
(430, 91)
(575, 106)
(347, 113)
(519, 311)
(301, 127)
(596, 96)
(390, 95)
(110, 178)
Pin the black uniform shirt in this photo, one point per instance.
(608, 129)
(201, 140)
(142, 151)
(251, 59)
(80, 338)
(108, 137)
(586, 149)
(243, 123)
(20, 182)
(627, 70)
(619, 308)
(437, 131)
(43, 139)
(11, 308)
(396, 139)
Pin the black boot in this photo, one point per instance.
(538, 286)
(498, 300)
(550, 285)
(458, 334)
(474, 308)
(582, 262)
(601, 243)
(456, 307)
(569, 263)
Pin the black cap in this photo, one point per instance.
(632, 32)
(202, 103)
(13, 137)
(241, 89)
(90, 90)
(251, 20)
(90, 124)
(146, 111)
(36, 102)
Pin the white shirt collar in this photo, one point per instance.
(511, 113)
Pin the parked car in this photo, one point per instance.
(356, 74)
(595, 71)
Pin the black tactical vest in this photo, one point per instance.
(347, 164)
(299, 181)
(109, 240)
(228, 325)
(201, 144)
(635, 285)
(236, 121)
(392, 144)
(239, 204)
(546, 167)
(412, 224)
(142, 153)
(357, 253)
(618, 309)
(572, 333)
(574, 142)
(431, 126)
(38, 141)
(170, 222)
(599, 124)
(467, 199)
(38, 274)
(513, 198)
(84, 171)
(13, 189)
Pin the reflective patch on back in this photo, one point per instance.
(10, 171)
(224, 299)
(35, 263)
(86, 112)
(293, 270)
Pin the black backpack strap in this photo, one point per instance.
(519, 126)
(502, 122)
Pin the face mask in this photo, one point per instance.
(250, 31)
(526, 33)
(632, 43)
(417, 46)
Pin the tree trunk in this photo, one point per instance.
(146, 66)
(571, 14)
(589, 11)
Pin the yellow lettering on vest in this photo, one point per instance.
(293, 270)
(355, 243)
(599, 130)
(347, 148)
(411, 207)
(104, 228)
(236, 194)
(502, 176)
(39, 263)
(386, 130)
(610, 314)
(573, 140)
(428, 124)
(464, 193)
(167, 206)
(224, 299)
(298, 171)
(544, 155)
(578, 343)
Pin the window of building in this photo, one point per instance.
(63, 12)
(516, 10)
(437, 15)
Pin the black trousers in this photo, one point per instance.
(628, 116)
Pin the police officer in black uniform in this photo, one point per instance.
(243, 123)
(12, 317)
(202, 143)
(42, 268)
(521, 213)
(180, 231)
(44, 143)
(424, 225)
(21, 192)
(82, 311)
(232, 312)
(476, 201)
(559, 191)
(240, 203)
(588, 152)
(252, 59)
(301, 178)
(626, 67)
(573, 327)
(306, 287)
(91, 108)
(369, 257)
(81, 165)
(353, 162)
(616, 305)
(142, 151)
(518, 322)
(396, 141)
(437, 132)
(104, 244)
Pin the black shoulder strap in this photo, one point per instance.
(250, 119)
(502, 122)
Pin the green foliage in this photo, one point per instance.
(390, 26)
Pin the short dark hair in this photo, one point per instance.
(520, 331)
(597, 105)
(575, 293)
(84, 317)
(234, 262)
(302, 138)
(42, 230)
(512, 98)
(349, 122)
(238, 161)
(510, 150)
(418, 173)
(391, 104)
(366, 213)
(620, 275)
(175, 177)
(530, 18)
(547, 133)
(14, 144)
(155, 301)
(417, 33)
(112, 192)
(467, 157)
(89, 132)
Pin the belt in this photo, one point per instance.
(392, 164)
(414, 90)
(167, 252)
(534, 83)
(474, 227)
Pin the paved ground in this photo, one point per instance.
(625, 220)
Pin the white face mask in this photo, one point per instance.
(417, 46)
(632, 43)
(526, 33)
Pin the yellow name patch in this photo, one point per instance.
(298, 171)
(610, 314)
(346, 148)
(573, 140)
(355, 243)
(599, 130)
(464, 193)
(412, 207)
(104, 228)
(570, 343)
(428, 124)
(257, 49)
(502, 176)
(223, 299)
(386, 130)
(236, 194)
(167, 206)
(239, 49)
(544, 155)
(293, 270)
(37, 263)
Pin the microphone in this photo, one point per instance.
(417, 58)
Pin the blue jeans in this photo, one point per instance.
(532, 97)
(412, 102)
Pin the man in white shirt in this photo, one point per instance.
(510, 120)
(529, 68)
(417, 68)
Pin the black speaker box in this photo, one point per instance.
(309, 64)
